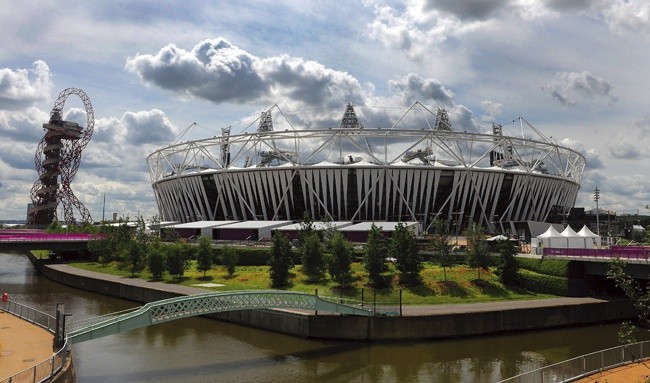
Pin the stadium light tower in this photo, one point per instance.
(596, 198)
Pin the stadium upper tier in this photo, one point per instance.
(351, 172)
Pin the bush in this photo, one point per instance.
(555, 267)
(229, 258)
(249, 256)
(545, 284)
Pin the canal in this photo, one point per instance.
(203, 350)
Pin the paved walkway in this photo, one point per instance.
(419, 310)
(631, 373)
(22, 345)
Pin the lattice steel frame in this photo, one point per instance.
(62, 158)
(542, 173)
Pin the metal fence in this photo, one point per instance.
(43, 371)
(585, 365)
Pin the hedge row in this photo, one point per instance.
(545, 284)
(554, 267)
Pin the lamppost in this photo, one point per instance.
(596, 198)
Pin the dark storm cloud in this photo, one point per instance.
(413, 88)
(469, 9)
(22, 88)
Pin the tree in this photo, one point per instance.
(204, 254)
(313, 257)
(177, 259)
(229, 258)
(477, 250)
(280, 260)
(508, 268)
(639, 296)
(404, 248)
(374, 260)
(442, 247)
(136, 257)
(156, 262)
(341, 261)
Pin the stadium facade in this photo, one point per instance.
(419, 169)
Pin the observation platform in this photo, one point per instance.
(22, 344)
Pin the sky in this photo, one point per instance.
(579, 71)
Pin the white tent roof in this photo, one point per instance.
(549, 233)
(568, 232)
(585, 232)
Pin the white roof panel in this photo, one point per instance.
(200, 224)
(317, 225)
(255, 224)
(385, 226)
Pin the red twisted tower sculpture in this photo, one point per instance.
(57, 157)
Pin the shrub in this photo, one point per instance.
(545, 284)
(555, 267)
(229, 258)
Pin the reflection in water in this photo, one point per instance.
(203, 350)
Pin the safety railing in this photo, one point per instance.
(585, 365)
(630, 253)
(44, 237)
(46, 369)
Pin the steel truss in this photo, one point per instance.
(358, 173)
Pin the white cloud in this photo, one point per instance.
(569, 85)
(626, 17)
(624, 149)
(413, 88)
(492, 109)
(22, 88)
(218, 71)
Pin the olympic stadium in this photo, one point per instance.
(417, 168)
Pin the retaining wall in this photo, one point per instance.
(307, 324)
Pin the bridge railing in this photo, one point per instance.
(47, 237)
(585, 365)
(630, 253)
(48, 368)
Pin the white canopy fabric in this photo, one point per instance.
(573, 240)
(590, 238)
(551, 238)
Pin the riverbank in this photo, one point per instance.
(416, 322)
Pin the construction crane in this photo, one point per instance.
(57, 160)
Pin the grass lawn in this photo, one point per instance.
(462, 285)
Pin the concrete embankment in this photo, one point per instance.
(417, 322)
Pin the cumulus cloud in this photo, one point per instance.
(569, 85)
(21, 88)
(624, 149)
(152, 127)
(492, 109)
(627, 16)
(413, 88)
(469, 9)
(592, 158)
(419, 26)
(218, 71)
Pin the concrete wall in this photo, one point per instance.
(376, 328)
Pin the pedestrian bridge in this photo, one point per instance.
(182, 307)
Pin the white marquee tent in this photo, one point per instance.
(567, 239)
